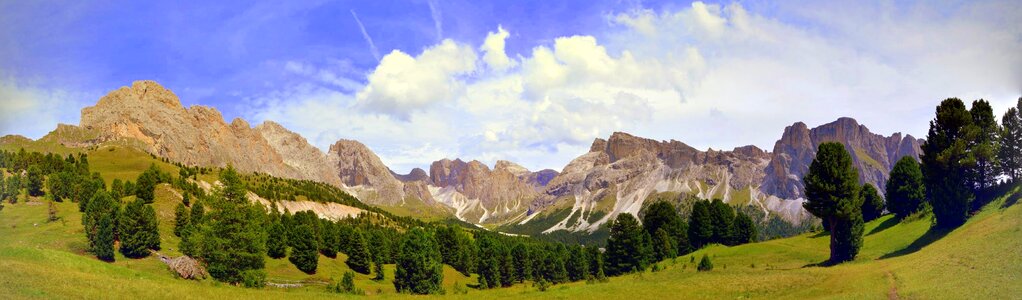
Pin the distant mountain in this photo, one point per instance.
(618, 175)
(874, 155)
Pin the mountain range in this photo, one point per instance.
(618, 174)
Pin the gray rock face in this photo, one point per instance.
(358, 166)
(874, 155)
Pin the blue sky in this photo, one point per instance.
(528, 81)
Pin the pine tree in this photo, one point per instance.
(419, 266)
(722, 216)
(304, 249)
(983, 174)
(745, 229)
(1010, 151)
(35, 181)
(232, 239)
(872, 204)
(596, 264)
(577, 265)
(198, 213)
(832, 193)
(523, 261)
(329, 241)
(276, 242)
(104, 240)
(146, 184)
(947, 160)
(181, 219)
(663, 245)
(150, 227)
(488, 267)
(906, 192)
(139, 229)
(700, 226)
(662, 215)
(99, 206)
(705, 264)
(359, 258)
(627, 249)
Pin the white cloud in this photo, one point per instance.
(709, 75)
(402, 84)
(32, 111)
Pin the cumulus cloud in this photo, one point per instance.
(32, 111)
(709, 75)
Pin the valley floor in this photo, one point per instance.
(906, 260)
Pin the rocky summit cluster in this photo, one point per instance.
(616, 176)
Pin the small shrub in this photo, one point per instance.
(541, 284)
(705, 264)
(346, 285)
(253, 278)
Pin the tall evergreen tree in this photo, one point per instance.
(662, 215)
(722, 216)
(596, 263)
(99, 206)
(947, 160)
(146, 184)
(488, 266)
(419, 267)
(329, 241)
(1010, 152)
(276, 242)
(872, 203)
(138, 229)
(745, 229)
(627, 249)
(663, 245)
(233, 241)
(700, 225)
(577, 265)
(104, 244)
(832, 193)
(304, 249)
(359, 258)
(198, 213)
(906, 192)
(984, 146)
(523, 261)
(181, 219)
(35, 181)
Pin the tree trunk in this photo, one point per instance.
(833, 243)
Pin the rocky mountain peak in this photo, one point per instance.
(358, 166)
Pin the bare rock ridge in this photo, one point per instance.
(151, 115)
(873, 154)
(357, 166)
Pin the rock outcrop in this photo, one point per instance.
(357, 166)
(873, 154)
(502, 193)
(151, 116)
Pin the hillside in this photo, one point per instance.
(898, 260)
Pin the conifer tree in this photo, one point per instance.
(1010, 151)
(419, 265)
(35, 181)
(276, 242)
(104, 244)
(99, 206)
(983, 174)
(906, 191)
(947, 161)
(523, 261)
(872, 203)
(627, 248)
(745, 229)
(359, 258)
(489, 264)
(181, 219)
(198, 213)
(304, 249)
(596, 263)
(832, 193)
(232, 238)
(137, 230)
(700, 226)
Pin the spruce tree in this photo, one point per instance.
(150, 227)
(663, 245)
(947, 161)
(872, 203)
(627, 247)
(197, 214)
(700, 225)
(146, 184)
(906, 192)
(276, 242)
(181, 219)
(232, 239)
(359, 258)
(1010, 151)
(304, 249)
(419, 266)
(132, 226)
(832, 194)
(489, 263)
(983, 174)
(35, 181)
(330, 241)
(577, 265)
(596, 263)
(722, 216)
(99, 206)
(705, 264)
(523, 261)
(662, 215)
(104, 240)
(745, 229)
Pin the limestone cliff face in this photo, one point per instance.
(873, 154)
(501, 193)
(357, 166)
(152, 117)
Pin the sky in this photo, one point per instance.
(532, 82)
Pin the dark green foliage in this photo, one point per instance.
(419, 267)
(456, 248)
(745, 229)
(146, 184)
(705, 264)
(906, 192)
(231, 239)
(253, 278)
(181, 219)
(577, 265)
(198, 213)
(138, 229)
(628, 248)
(101, 205)
(346, 285)
(832, 193)
(596, 264)
(304, 249)
(523, 261)
(722, 216)
(103, 246)
(35, 181)
(663, 246)
(983, 174)
(359, 258)
(662, 215)
(552, 268)
(186, 199)
(488, 267)
(1009, 154)
(700, 225)
(330, 241)
(117, 188)
(947, 161)
(872, 203)
(276, 242)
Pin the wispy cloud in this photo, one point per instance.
(434, 10)
(365, 34)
